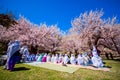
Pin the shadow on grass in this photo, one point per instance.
(106, 65)
(21, 69)
(117, 60)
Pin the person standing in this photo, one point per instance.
(24, 51)
(96, 59)
(13, 55)
(8, 53)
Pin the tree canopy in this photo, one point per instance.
(87, 30)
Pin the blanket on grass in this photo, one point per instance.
(59, 67)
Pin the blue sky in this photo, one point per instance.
(59, 12)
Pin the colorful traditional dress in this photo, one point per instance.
(13, 55)
(44, 58)
(40, 57)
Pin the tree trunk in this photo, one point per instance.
(117, 49)
(96, 41)
(3, 47)
(76, 52)
(34, 49)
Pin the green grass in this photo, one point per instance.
(27, 72)
(58, 67)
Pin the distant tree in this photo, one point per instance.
(71, 43)
(44, 38)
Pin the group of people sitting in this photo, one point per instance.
(81, 59)
(14, 54)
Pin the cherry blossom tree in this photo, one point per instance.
(93, 30)
(87, 30)
(88, 26)
(6, 20)
(110, 35)
(45, 38)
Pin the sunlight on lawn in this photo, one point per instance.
(27, 72)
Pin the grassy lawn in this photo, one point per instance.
(27, 72)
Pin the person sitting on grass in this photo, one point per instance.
(72, 59)
(60, 58)
(33, 57)
(40, 57)
(37, 56)
(96, 59)
(44, 58)
(66, 59)
(52, 58)
(56, 58)
(86, 59)
(48, 58)
(80, 59)
(24, 51)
